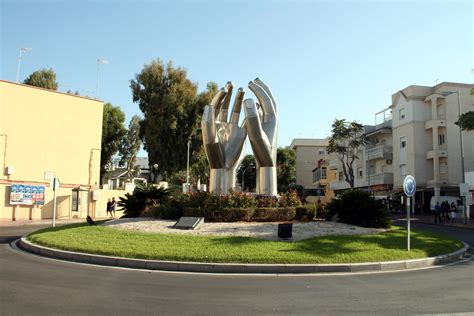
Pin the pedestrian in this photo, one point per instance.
(437, 213)
(445, 209)
(453, 211)
(113, 206)
(109, 208)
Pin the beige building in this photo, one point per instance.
(46, 134)
(308, 153)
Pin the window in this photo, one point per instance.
(340, 176)
(360, 172)
(401, 114)
(403, 142)
(321, 152)
(323, 173)
(403, 170)
(441, 139)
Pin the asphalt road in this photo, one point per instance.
(32, 285)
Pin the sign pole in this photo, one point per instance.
(409, 202)
(55, 185)
(409, 187)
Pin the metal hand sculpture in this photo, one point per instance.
(223, 140)
(262, 128)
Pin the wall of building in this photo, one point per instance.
(42, 131)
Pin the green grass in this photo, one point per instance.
(386, 246)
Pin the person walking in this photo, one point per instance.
(453, 212)
(109, 208)
(437, 213)
(113, 206)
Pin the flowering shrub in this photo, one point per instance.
(289, 198)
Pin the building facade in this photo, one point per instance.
(308, 153)
(45, 134)
(415, 135)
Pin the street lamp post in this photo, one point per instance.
(243, 175)
(22, 50)
(189, 146)
(462, 151)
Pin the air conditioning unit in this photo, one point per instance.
(389, 161)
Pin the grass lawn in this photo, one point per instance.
(386, 246)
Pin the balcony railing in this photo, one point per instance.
(435, 123)
(381, 178)
(380, 152)
(440, 153)
(333, 164)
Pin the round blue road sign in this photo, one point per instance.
(409, 185)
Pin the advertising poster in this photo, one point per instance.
(27, 194)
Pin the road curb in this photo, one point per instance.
(240, 268)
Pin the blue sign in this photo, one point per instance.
(409, 185)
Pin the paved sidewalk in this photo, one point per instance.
(429, 219)
(25, 222)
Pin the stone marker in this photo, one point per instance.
(188, 222)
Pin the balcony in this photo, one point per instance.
(440, 153)
(381, 178)
(435, 124)
(379, 152)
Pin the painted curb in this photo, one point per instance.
(240, 268)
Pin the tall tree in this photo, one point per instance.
(130, 145)
(466, 121)
(113, 130)
(169, 103)
(43, 78)
(286, 168)
(345, 142)
(247, 173)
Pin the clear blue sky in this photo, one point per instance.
(322, 60)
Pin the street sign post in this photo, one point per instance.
(54, 184)
(409, 187)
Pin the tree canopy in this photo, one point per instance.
(171, 111)
(345, 141)
(130, 145)
(113, 130)
(286, 168)
(466, 121)
(247, 173)
(43, 78)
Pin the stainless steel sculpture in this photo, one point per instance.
(262, 128)
(223, 140)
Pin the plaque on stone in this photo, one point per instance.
(188, 222)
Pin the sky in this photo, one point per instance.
(322, 59)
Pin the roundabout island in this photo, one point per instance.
(317, 247)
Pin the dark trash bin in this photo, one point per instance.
(285, 231)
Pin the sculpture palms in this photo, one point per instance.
(223, 140)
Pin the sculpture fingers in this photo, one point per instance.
(224, 107)
(267, 90)
(264, 100)
(259, 141)
(217, 100)
(214, 150)
(237, 106)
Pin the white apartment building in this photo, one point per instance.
(427, 142)
(415, 135)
